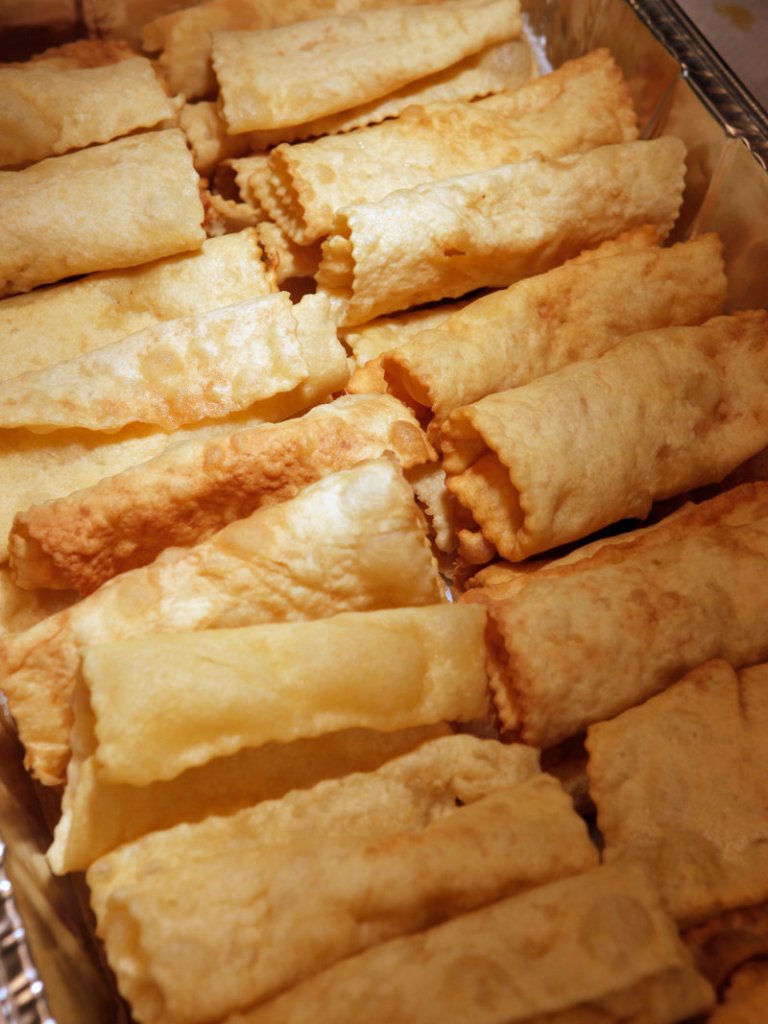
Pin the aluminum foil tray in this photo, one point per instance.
(51, 971)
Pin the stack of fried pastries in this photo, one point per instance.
(329, 613)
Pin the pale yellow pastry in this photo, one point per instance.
(46, 111)
(97, 816)
(354, 58)
(117, 205)
(188, 697)
(680, 783)
(492, 228)
(184, 37)
(354, 540)
(371, 340)
(53, 324)
(428, 482)
(244, 168)
(599, 440)
(404, 795)
(503, 66)
(181, 371)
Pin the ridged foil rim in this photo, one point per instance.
(713, 81)
(22, 992)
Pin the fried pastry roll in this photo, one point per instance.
(194, 489)
(594, 947)
(583, 104)
(352, 541)
(185, 370)
(51, 325)
(98, 816)
(403, 795)
(372, 341)
(46, 111)
(184, 37)
(576, 311)
(355, 58)
(446, 238)
(369, 341)
(325, 904)
(285, 259)
(117, 205)
(243, 687)
(599, 440)
(207, 136)
(499, 68)
(577, 643)
(428, 483)
(37, 467)
(701, 746)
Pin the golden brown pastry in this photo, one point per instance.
(125, 19)
(660, 413)
(577, 643)
(746, 998)
(354, 540)
(726, 940)
(21, 609)
(370, 341)
(83, 53)
(37, 467)
(583, 104)
(576, 311)
(446, 238)
(321, 905)
(681, 783)
(593, 948)
(194, 489)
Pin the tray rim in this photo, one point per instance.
(711, 78)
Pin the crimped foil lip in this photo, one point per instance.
(713, 81)
(22, 992)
